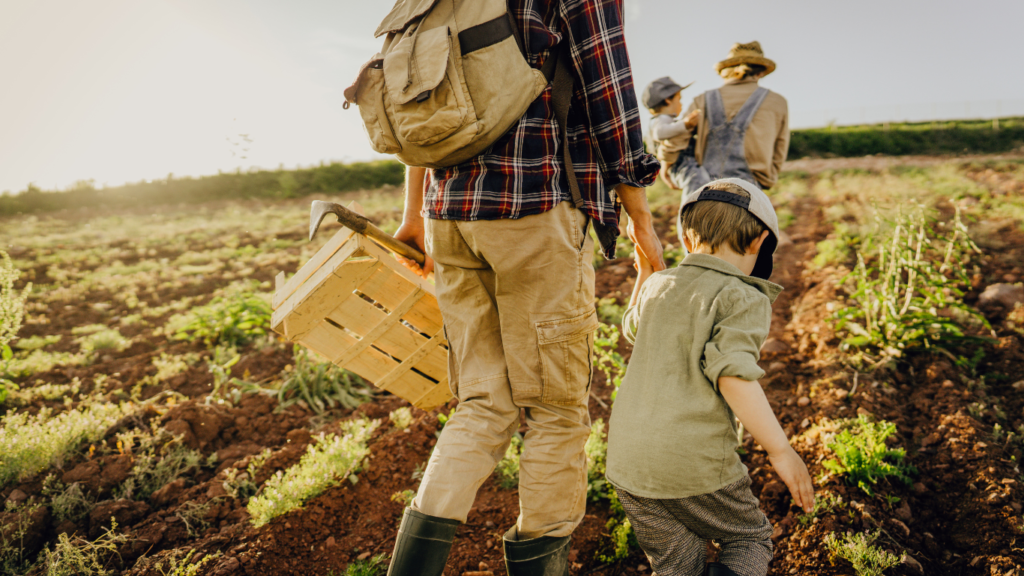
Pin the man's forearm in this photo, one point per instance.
(415, 183)
(634, 202)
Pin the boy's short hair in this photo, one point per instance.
(710, 224)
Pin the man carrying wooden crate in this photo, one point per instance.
(509, 236)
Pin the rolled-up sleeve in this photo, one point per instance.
(598, 50)
(735, 344)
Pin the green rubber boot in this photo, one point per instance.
(544, 556)
(423, 544)
(717, 569)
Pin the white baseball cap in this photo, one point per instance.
(757, 204)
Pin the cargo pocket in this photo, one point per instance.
(370, 99)
(566, 348)
(424, 86)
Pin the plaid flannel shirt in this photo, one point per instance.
(523, 173)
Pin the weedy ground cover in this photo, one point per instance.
(234, 318)
(857, 549)
(321, 385)
(326, 463)
(34, 443)
(862, 456)
(12, 312)
(159, 459)
(77, 556)
(508, 466)
(906, 291)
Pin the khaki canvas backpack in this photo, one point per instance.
(449, 81)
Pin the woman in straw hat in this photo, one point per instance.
(743, 130)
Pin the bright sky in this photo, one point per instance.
(125, 90)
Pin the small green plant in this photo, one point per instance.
(220, 364)
(180, 563)
(12, 312)
(609, 310)
(596, 450)
(328, 461)
(160, 459)
(911, 296)
(34, 443)
(193, 516)
(13, 559)
(598, 489)
(234, 318)
(508, 467)
(863, 457)
(66, 502)
(405, 497)
(836, 249)
(76, 556)
(240, 485)
(36, 342)
(858, 550)
(102, 340)
(606, 356)
(401, 418)
(321, 385)
(375, 566)
(822, 506)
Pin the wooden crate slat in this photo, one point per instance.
(327, 340)
(409, 362)
(411, 386)
(402, 350)
(318, 304)
(390, 288)
(322, 256)
(312, 286)
(385, 322)
(439, 395)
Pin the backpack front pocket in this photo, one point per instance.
(370, 95)
(424, 86)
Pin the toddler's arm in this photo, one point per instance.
(748, 402)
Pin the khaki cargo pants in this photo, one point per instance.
(518, 303)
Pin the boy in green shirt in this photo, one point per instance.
(697, 332)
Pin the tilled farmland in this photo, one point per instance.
(156, 426)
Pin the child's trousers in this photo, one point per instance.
(673, 533)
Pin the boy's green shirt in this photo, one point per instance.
(671, 433)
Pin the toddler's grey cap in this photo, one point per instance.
(759, 205)
(659, 90)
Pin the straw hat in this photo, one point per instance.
(749, 53)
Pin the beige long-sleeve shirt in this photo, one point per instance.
(767, 141)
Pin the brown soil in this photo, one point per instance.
(962, 514)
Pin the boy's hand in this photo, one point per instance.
(793, 472)
(691, 119)
(642, 264)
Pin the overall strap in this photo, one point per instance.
(715, 107)
(750, 107)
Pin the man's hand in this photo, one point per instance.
(691, 120)
(793, 471)
(641, 225)
(411, 230)
(412, 234)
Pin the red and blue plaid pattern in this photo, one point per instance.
(522, 173)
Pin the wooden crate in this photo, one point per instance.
(356, 306)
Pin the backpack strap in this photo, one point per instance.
(561, 95)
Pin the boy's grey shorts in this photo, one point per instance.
(673, 533)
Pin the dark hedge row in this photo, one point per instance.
(268, 184)
(925, 138)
